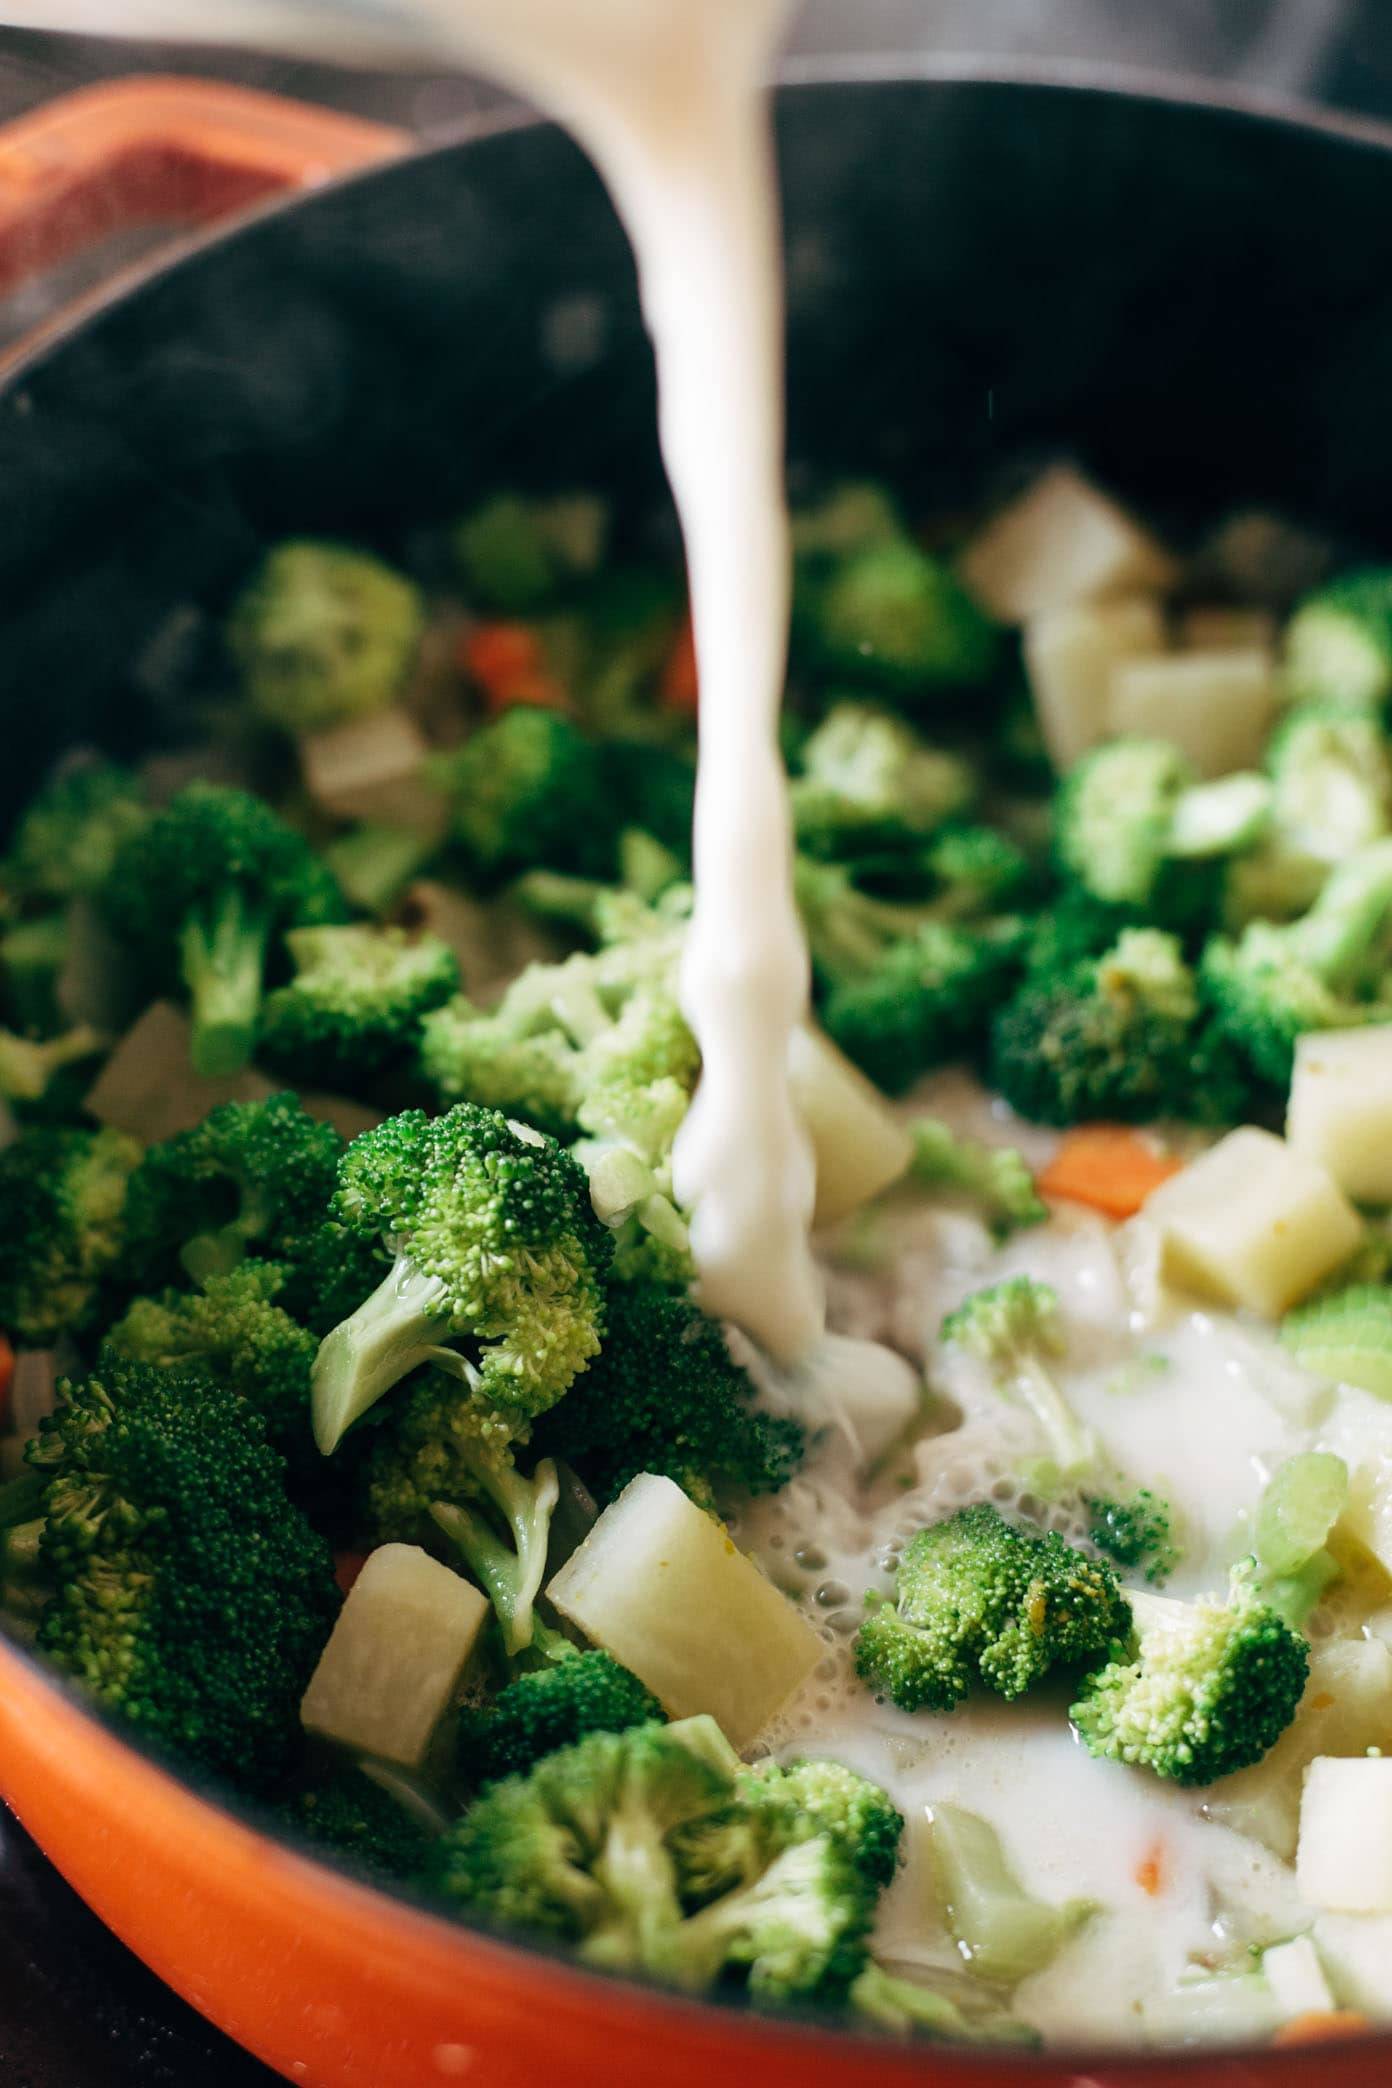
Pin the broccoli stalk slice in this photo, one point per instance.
(1345, 924)
(27, 1067)
(639, 1880)
(399, 1327)
(222, 960)
(912, 2010)
(1013, 1328)
(511, 1575)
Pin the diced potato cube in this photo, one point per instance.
(859, 1143)
(1215, 706)
(1367, 1516)
(661, 1585)
(1070, 657)
(1357, 1951)
(1061, 541)
(372, 768)
(392, 1664)
(1252, 1223)
(1340, 1110)
(1296, 1978)
(1227, 629)
(1344, 1861)
(148, 1086)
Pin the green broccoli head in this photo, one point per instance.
(350, 1817)
(1015, 1331)
(552, 1707)
(1201, 1689)
(64, 1196)
(70, 833)
(512, 1057)
(666, 1396)
(1138, 1533)
(1338, 644)
(1331, 769)
(1133, 827)
(495, 1244)
(869, 782)
(529, 789)
(354, 1008)
(891, 615)
(201, 892)
(514, 552)
(189, 1595)
(46, 1081)
(254, 1178)
(231, 1330)
(977, 1600)
(1120, 1038)
(323, 634)
(1327, 970)
(997, 1179)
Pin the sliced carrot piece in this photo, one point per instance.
(1320, 2025)
(7, 1371)
(1151, 1872)
(508, 662)
(678, 687)
(1108, 1166)
(347, 1566)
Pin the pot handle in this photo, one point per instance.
(153, 149)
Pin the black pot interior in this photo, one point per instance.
(1195, 301)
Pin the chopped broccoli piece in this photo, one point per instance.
(529, 788)
(1118, 1037)
(1134, 828)
(996, 1178)
(1331, 769)
(515, 553)
(902, 990)
(189, 1594)
(353, 1011)
(1014, 1328)
(892, 615)
(1327, 970)
(977, 1600)
(33, 954)
(349, 1816)
(1345, 1337)
(666, 1396)
(1202, 1688)
(911, 2009)
(70, 834)
(30, 1070)
(1135, 1533)
(323, 634)
(254, 1178)
(63, 1194)
(1338, 646)
(374, 864)
(870, 782)
(200, 892)
(493, 1238)
(552, 1707)
(234, 1332)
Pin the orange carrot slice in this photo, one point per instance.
(1320, 2025)
(678, 687)
(1109, 1167)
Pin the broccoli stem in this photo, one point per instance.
(1344, 926)
(222, 960)
(392, 1333)
(22, 1498)
(511, 1574)
(1072, 1445)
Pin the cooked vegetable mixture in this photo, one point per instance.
(1017, 1670)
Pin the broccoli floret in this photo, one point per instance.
(493, 1238)
(351, 1817)
(977, 1600)
(891, 615)
(1014, 1328)
(322, 634)
(996, 1178)
(1331, 769)
(373, 864)
(851, 517)
(63, 1195)
(666, 1396)
(514, 553)
(824, 1797)
(1074, 925)
(236, 1333)
(653, 789)
(913, 2010)
(973, 870)
(200, 892)
(69, 835)
(1135, 1533)
(1327, 970)
(1200, 1690)
(33, 954)
(1338, 646)
(31, 1071)
(529, 788)
(869, 782)
(1345, 1337)
(189, 1594)
(353, 1011)
(254, 1178)
(614, 1845)
(552, 1707)
(1134, 828)
(1119, 1037)
(902, 990)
